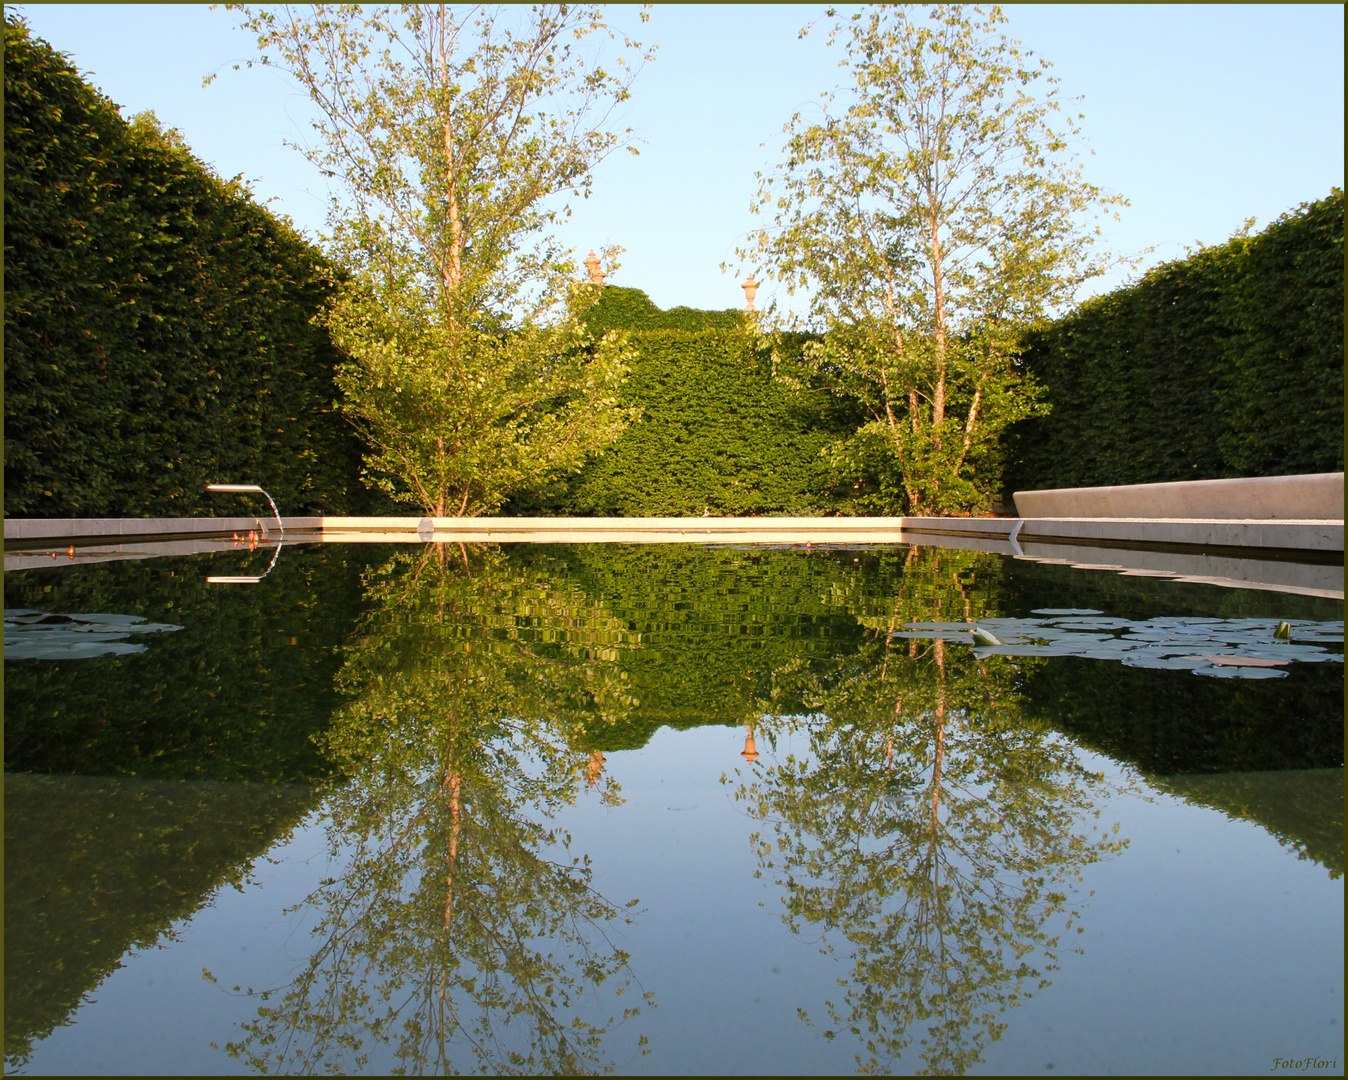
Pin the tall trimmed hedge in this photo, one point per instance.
(1227, 363)
(718, 435)
(157, 320)
(622, 308)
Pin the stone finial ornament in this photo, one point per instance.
(750, 288)
(592, 265)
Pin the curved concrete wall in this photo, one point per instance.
(1309, 497)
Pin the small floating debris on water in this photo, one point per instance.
(1220, 648)
(48, 635)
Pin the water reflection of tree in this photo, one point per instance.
(461, 935)
(931, 827)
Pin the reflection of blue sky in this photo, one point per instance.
(1202, 925)
(1202, 115)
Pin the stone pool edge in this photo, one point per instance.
(1116, 545)
(1315, 535)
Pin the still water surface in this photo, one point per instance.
(661, 809)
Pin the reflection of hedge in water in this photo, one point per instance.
(1302, 808)
(692, 636)
(1046, 585)
(95, 867)
(1172, 721)
(716, 626)
(229, 697)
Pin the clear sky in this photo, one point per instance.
(1202, 116)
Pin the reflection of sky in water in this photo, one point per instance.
(1202, 925)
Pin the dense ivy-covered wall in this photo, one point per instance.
(157, 320)
(1227, 363)
(718, 434)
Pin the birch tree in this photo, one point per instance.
(454, 137)
(933, 213)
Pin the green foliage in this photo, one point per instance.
(931, 219)
(456, 137)
(715, 625)
(461, 418)
(928, 827)
(718, 434)
(929, 835)
(158, 332)
(620, 308)
(1227, 363)
(890, 463)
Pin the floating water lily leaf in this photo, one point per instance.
(1052, 649)
(1091, 624)
(1240, 661)
(1241, 673)
(1224, 648)
(41, 635)
(934, 635)
(1065, 611)
(68, 650)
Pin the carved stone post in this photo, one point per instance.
(592, 265)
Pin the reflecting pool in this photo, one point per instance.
(667, 809)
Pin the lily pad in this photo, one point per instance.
(1092, 624)
(69, 650)
(41, 635)
(935, 635)
(1224, 648)
(1240, 661)
(1240, 673)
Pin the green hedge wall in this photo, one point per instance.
(157, 320)
(621, 308)
(718, 435)
(1228, 363)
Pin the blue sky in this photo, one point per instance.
(1202, 116)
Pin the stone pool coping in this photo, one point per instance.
(1321, 535)
(1281, 556)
